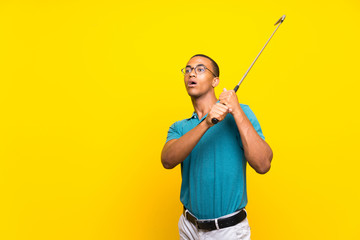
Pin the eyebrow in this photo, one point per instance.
(196, 65)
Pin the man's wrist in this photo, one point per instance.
(207, 124)
(238, 113)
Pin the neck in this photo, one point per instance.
(203, 104)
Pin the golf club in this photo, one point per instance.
(279, 22)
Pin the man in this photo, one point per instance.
(213, 157)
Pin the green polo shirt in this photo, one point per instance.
(214, 173)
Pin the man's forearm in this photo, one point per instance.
(175, 151)
(257, 152)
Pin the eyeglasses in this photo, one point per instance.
(199, 69)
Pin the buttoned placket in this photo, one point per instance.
(195, 116)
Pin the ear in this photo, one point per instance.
(215, 82)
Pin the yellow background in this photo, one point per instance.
(89, 89)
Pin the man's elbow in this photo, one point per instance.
(166, 164)
(263, 169)
(266, 165)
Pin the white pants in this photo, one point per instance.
(188, 231)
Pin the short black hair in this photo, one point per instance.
(215, 66)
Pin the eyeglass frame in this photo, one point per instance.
(199, 65)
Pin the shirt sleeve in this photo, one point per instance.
(173, 132)
(251, 116)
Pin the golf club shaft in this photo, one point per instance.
(242, 79)
(214, 120)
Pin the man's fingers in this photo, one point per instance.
(222, 107)
(224, 101)
(227, 93)
(219, 111)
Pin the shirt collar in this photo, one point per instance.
(194, 115)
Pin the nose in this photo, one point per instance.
(192, 73)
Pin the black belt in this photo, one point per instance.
(215, 223)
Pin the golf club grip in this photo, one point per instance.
(236, 88)
(214, 120)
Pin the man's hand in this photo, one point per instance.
(217, 111)
(229, 99)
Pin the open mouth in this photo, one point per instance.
(191, 83)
